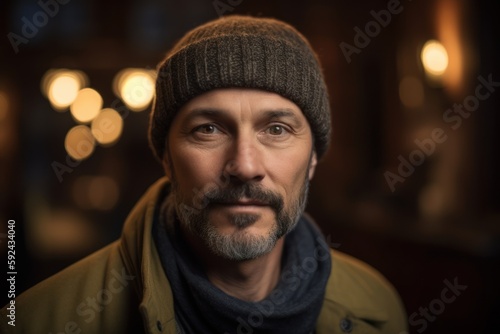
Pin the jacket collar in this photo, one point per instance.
(141, 259)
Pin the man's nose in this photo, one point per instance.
(245, 162)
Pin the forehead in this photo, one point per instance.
(241, 102)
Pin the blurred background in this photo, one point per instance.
(410, 184)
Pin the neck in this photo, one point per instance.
(250, 280)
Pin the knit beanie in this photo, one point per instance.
(241, 52)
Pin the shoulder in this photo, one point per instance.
(360, 278)
(81, 296)
(359, 293)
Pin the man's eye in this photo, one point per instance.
(276, 130)
(206, 129)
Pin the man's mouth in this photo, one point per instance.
(243, 202)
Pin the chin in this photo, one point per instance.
(241, 244)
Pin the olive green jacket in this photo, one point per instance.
(123, 288)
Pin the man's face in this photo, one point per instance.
(240, 161)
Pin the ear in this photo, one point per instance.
(312, 165)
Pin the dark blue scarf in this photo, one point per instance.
(292, 307)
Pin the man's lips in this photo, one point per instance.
(243, 202)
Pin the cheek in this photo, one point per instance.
(194, 170)
(290, 173)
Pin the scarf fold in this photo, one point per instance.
(292, 307)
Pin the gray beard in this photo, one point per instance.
(240, 245)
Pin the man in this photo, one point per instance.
(221, 245)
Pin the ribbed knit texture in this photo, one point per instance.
(244, 52)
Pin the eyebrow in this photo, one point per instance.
(277, 113)
(223, 114)
(199, 112)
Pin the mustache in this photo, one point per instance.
(247, 191)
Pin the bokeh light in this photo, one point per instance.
(95, 192)
(79, 142)
(107, 127)
(86, 106)
(434, 58)
(103, 193)
(61, 87)
(135, 87)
